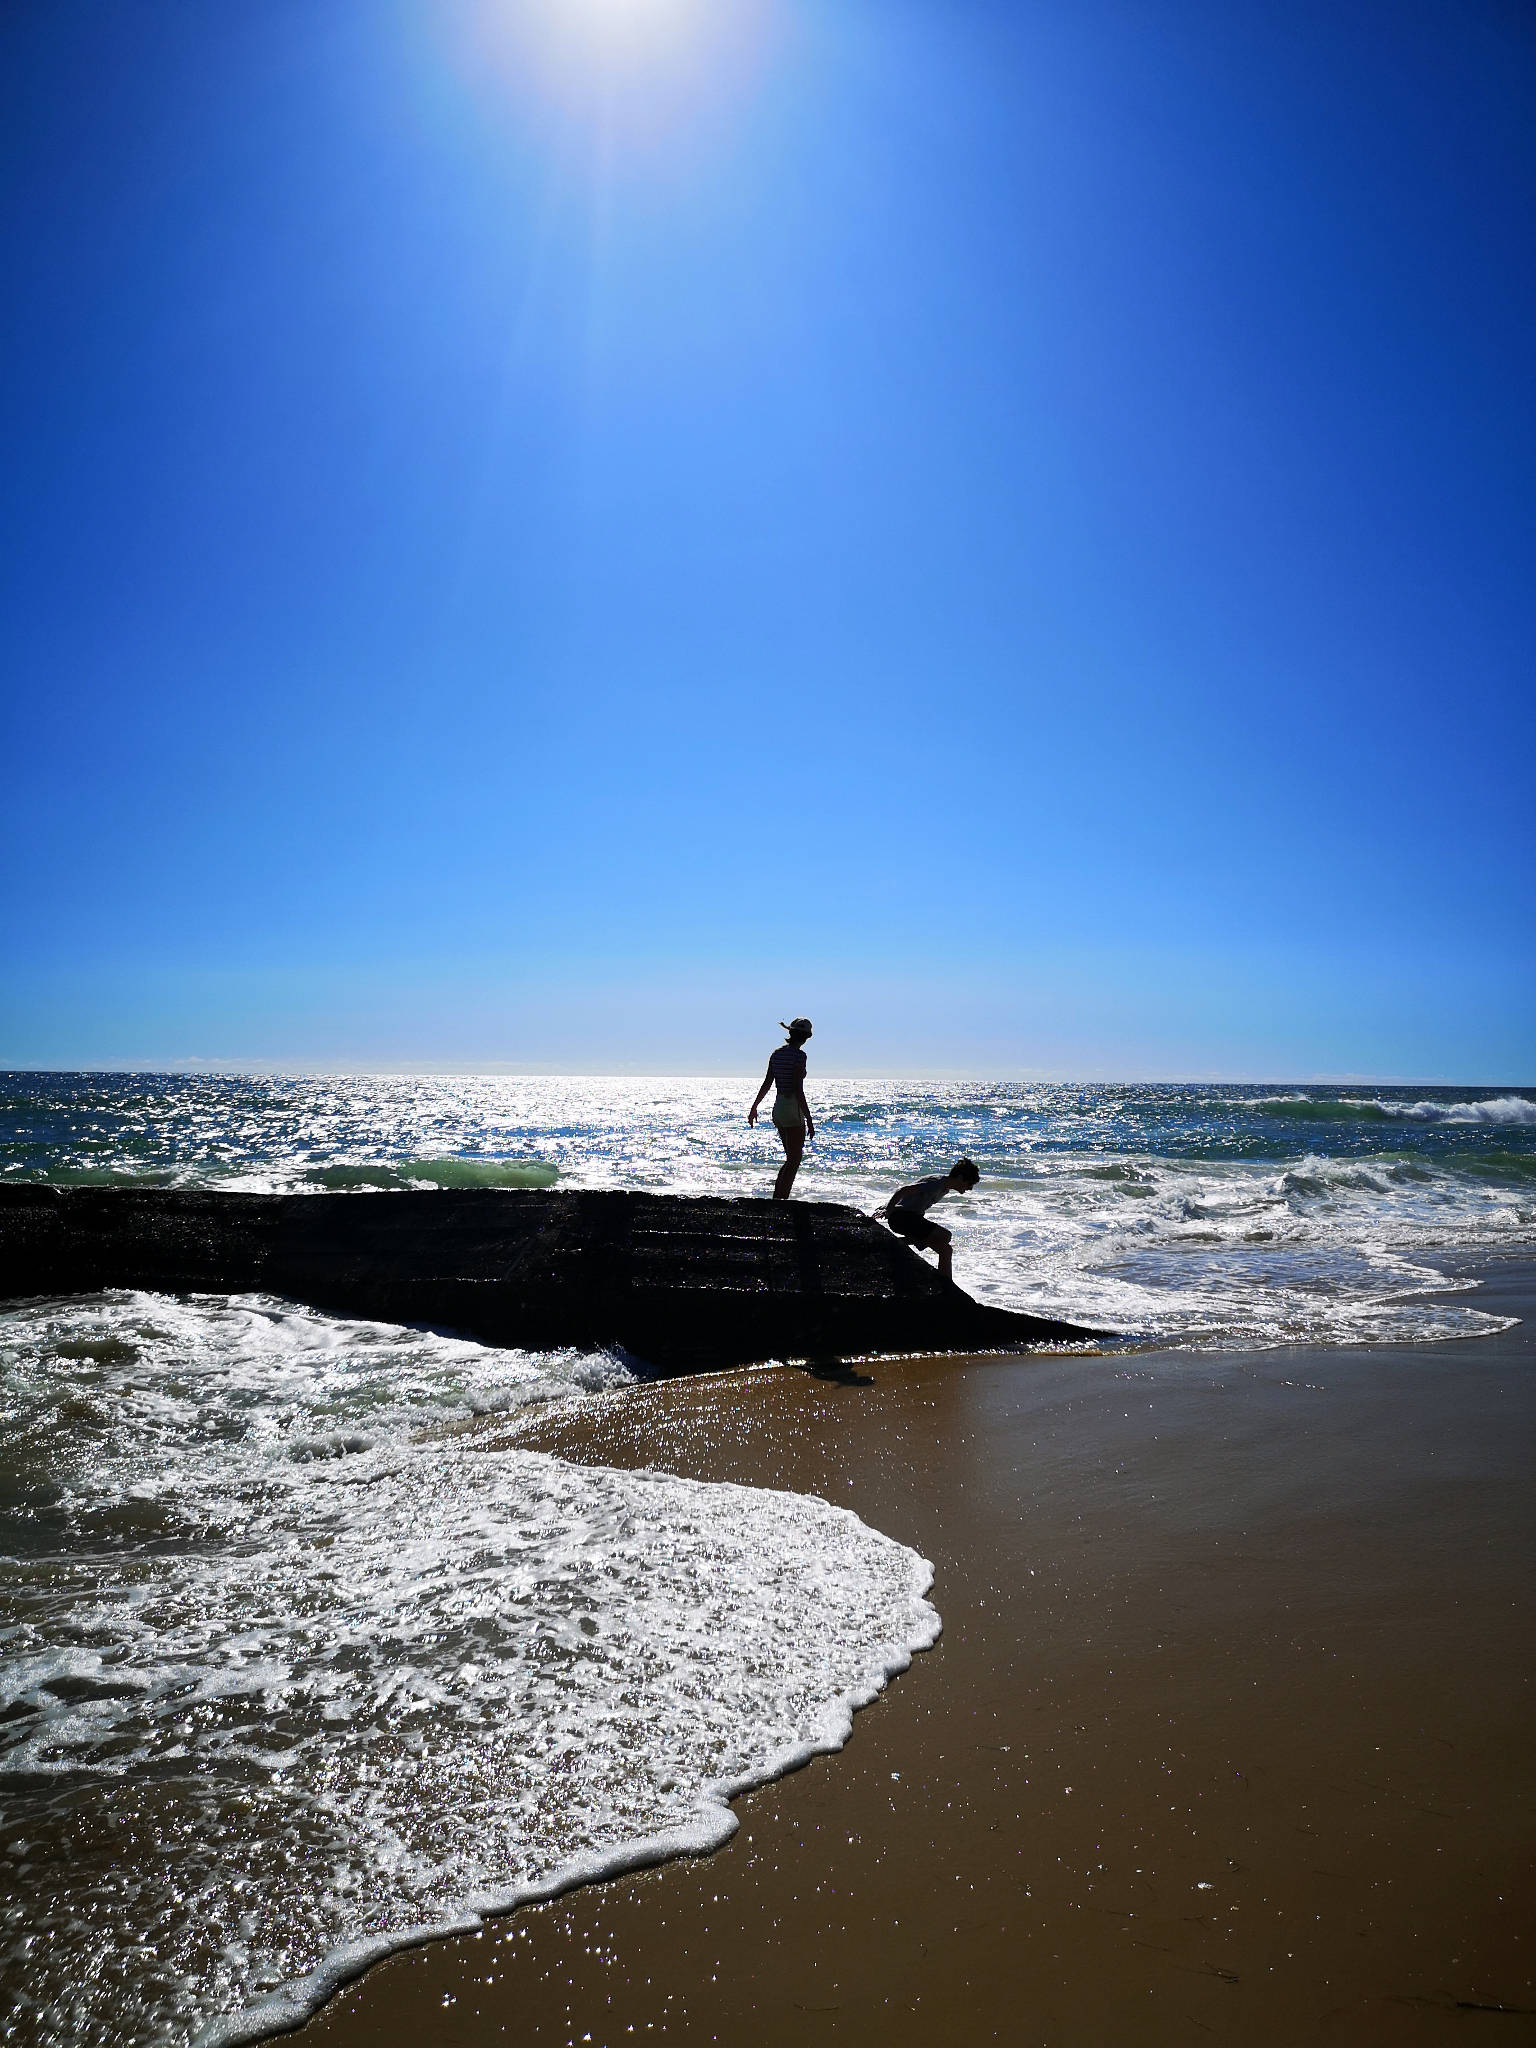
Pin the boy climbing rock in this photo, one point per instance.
(907, 1211)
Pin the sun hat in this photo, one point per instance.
(797, 1027)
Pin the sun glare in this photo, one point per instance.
(628, 14)
(655, 59)
(607, 31)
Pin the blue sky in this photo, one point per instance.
(555, 533)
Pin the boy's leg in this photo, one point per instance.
(946, 1252)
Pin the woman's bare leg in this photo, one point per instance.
(794, 1146)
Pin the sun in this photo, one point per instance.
(608, 27)
(652, 59)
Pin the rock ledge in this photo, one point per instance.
(683, 1283)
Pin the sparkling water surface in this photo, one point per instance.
(301, 1653)
(1196, 1213)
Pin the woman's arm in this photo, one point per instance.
(767, 1084)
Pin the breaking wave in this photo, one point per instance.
(1496, 1110)
(438, 1173)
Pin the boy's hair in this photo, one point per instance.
(969, 1168)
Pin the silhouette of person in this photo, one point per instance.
(791, 1112)
(907, 1211)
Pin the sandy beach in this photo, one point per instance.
(1226, 1737)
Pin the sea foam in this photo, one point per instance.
(302, 1666)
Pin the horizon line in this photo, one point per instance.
(210, 1068)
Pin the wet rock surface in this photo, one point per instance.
(683, 1283)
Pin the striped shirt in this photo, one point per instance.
(787, 1067)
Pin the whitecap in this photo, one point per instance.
(1497, 1110)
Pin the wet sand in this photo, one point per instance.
(1228, 1736)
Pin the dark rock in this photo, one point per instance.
(684, 1283)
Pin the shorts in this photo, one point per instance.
(786, 1114)
(914, 1226)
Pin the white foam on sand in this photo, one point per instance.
(823, 1727)
(296, 1673)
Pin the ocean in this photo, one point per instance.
(303, 1657)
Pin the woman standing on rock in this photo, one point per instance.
(791, 1113)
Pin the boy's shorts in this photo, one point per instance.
(914, 1226)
